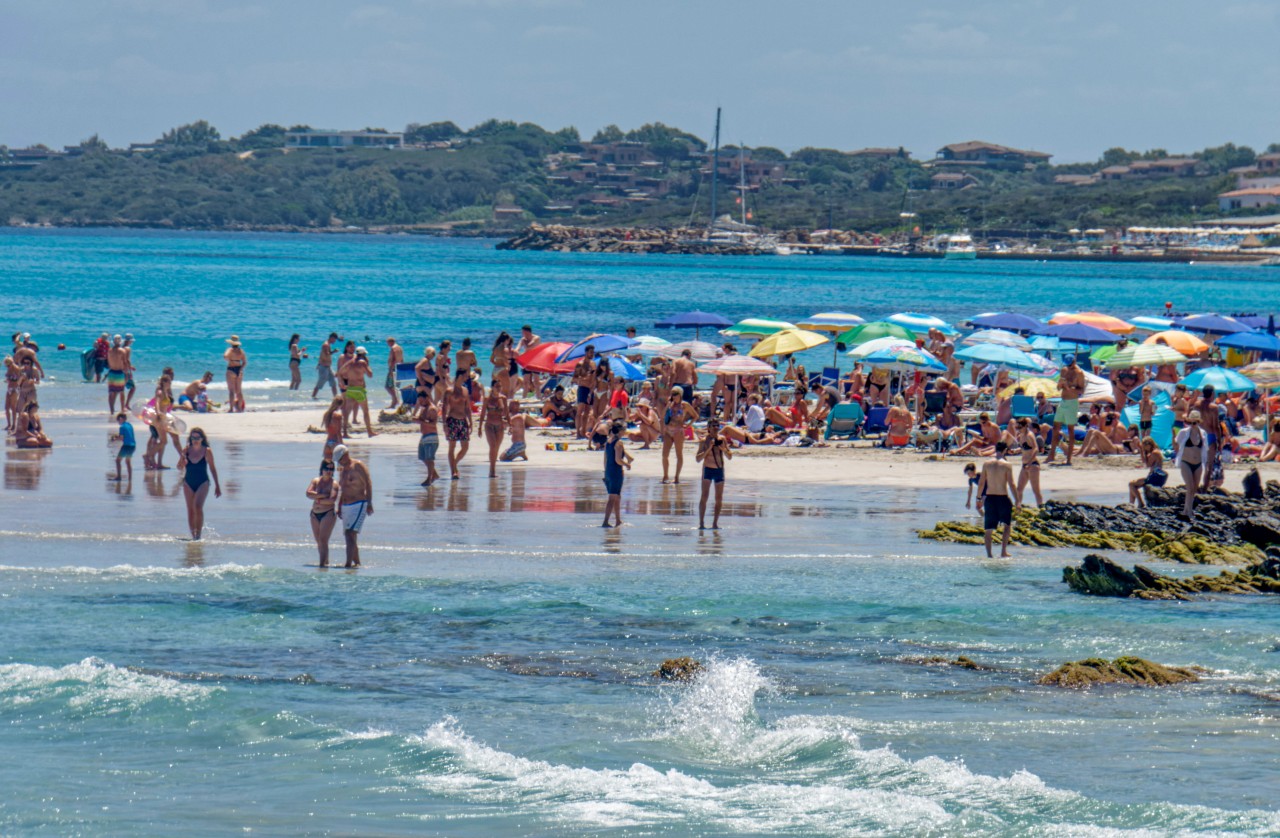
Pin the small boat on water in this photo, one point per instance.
(960, 246)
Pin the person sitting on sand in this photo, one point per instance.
(517, 422)
(983, 445)
(1271, 448)
(194, 395)
(1110, 438)
(557, 409)
(741, 436)
(30, 430)
(899, 422)
(648, 423)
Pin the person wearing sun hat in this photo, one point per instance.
(1189, 450)
(1071, 382)
(237, 360)
(356, 395)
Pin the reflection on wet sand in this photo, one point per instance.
(24, 467)
(155, 481)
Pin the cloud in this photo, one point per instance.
(931, 37)
(548, 32)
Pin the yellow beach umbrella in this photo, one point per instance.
(1184, 342)
(1096, 319)
(1033, 387)
(786, 342)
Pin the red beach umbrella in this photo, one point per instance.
(542, 358)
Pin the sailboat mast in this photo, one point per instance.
(715, 168)
(742, 181)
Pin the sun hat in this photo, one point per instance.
(1193, 416)
(360, 350)
(234, 340)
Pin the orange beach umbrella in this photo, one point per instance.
(1185, 342)
(1096, 319)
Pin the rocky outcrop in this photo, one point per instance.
(678, 669)
(1229, 529)
(1099, 576)
(567, 239)
(1132, 671)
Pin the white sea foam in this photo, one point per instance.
(92, 685)
(129, 571)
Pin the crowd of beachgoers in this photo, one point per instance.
(1037, 393)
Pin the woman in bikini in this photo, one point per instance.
(295, 363)
(1189, 450)
(444, 377)
(674, 417)
(878, 386)
(12, 377)
(713, 452)
(1153, 462)
(324, 494)
(493, 418)
(197, 467)
(30, 433)
(1029, 445)
(237, 360)
(332, 424)
(502, 361)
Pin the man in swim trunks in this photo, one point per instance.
(466, 361)
(117, 372)
(193, 396)
(357, 500)
(129, 370)
(584, 377)
(1071, 382)
(517, 422)
(457, 420)
(685, 373)
(356, 397)
(998, 491)
(395, 355)
(324, 366)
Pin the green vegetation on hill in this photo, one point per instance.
(196, 178)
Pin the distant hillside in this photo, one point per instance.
(500, 175)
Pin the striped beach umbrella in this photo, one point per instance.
(737, 365)
(650, 345)
(873, 346)
(920, 323)
(904, 356)
(1096, 319)
(757, 327)
(999, 337)
(833, 322)
(1265, 374)
(699, 350)
(1145, 355)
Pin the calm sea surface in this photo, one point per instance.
(488, 672)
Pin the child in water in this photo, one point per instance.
(971, 474)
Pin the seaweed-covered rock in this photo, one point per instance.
(1133, 671)
(1099, 576)
(678, 669)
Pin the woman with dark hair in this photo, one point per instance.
(616, 459)
(196, 464)
(296, 354)
(237, 360)
(504, 365)
(324, 494)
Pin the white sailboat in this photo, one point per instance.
(960, 246)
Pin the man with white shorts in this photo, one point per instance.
(357, 500)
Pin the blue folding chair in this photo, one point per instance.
(1022, 407)
(877, 421)
(844, 420)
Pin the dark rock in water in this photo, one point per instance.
(1262, 530)
(1132, 671)
(961, 662)
(1099, 576)
(678, 669)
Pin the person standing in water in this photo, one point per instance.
(197, 467)
(356, 488)
(616, 459)
(324, 495)
(428, 416)
(117, 372)
(324, 367)
(296, 354)
(129, 370)
(237, 360)
(493, 418)
(128, 444)
(457, 420)
(997, 490)
(713, 452)
(357, 374)
(395, 356)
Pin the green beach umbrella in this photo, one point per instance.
(871, 331)
(1102, 353)
(757, 327)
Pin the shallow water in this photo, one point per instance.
(487, 672)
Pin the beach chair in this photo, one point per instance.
(550, 387)
(830, 376)
(406, 380)
(845, 420)
(815, 381)
(877, 421)
(1022, 407)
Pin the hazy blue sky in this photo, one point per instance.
(1070, 78)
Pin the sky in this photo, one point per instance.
(1069, 78)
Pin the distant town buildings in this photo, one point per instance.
(1249, 198)
(315, 138)
(882, 153)
(952, 180)
(978, 153)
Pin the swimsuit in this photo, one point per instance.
(235, 370)
(1067, 413)
(115, 381)
(428, 445)
(585, 396)
(456, 430)
(613, 476)
(353, 515)
(356, 393)
(391, 381)
(516, 449)
(715, 475)
(320, 516)
(196, 474)
(997, 511)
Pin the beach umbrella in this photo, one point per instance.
(1093, 318)
(604, 344)
(786, 342)
(1046, 343)
(737, 365)
(862, 350)
(833, 322)
(757, 327)
(1251, 342)
(920, 323)
(622, 368)
(1184, 342)
(1007, 321)
(876, 329)
(1222, 379)
(903, 356)
(542, 358)
(1033, 387)
(1103, 353)
(1000, 356)
(1096, 389)
(1080, 333)
(699, 350)
(696, 320)
(1214, 324)
(1150, 324)
(1145, 355)
(1047, 367)
(650, 345)
(999, 337)
(1256, 321)
(1265, 374)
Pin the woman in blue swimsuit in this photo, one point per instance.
(197, 465)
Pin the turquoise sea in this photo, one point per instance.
(487, 673)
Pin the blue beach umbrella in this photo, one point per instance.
(1150, 324)
(1254, 321)
(1214, 324)
(604, 344)
(624, 369)
(696, 320)
(1007, 321)
(1080, 333)
(1046, 342)
(920, 323)
(1222, 379)
(1001, 356)
(902, 356)
(1000, 337)
(1252, 342)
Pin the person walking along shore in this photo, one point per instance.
(355, 486)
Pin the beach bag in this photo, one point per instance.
(1157, 477)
